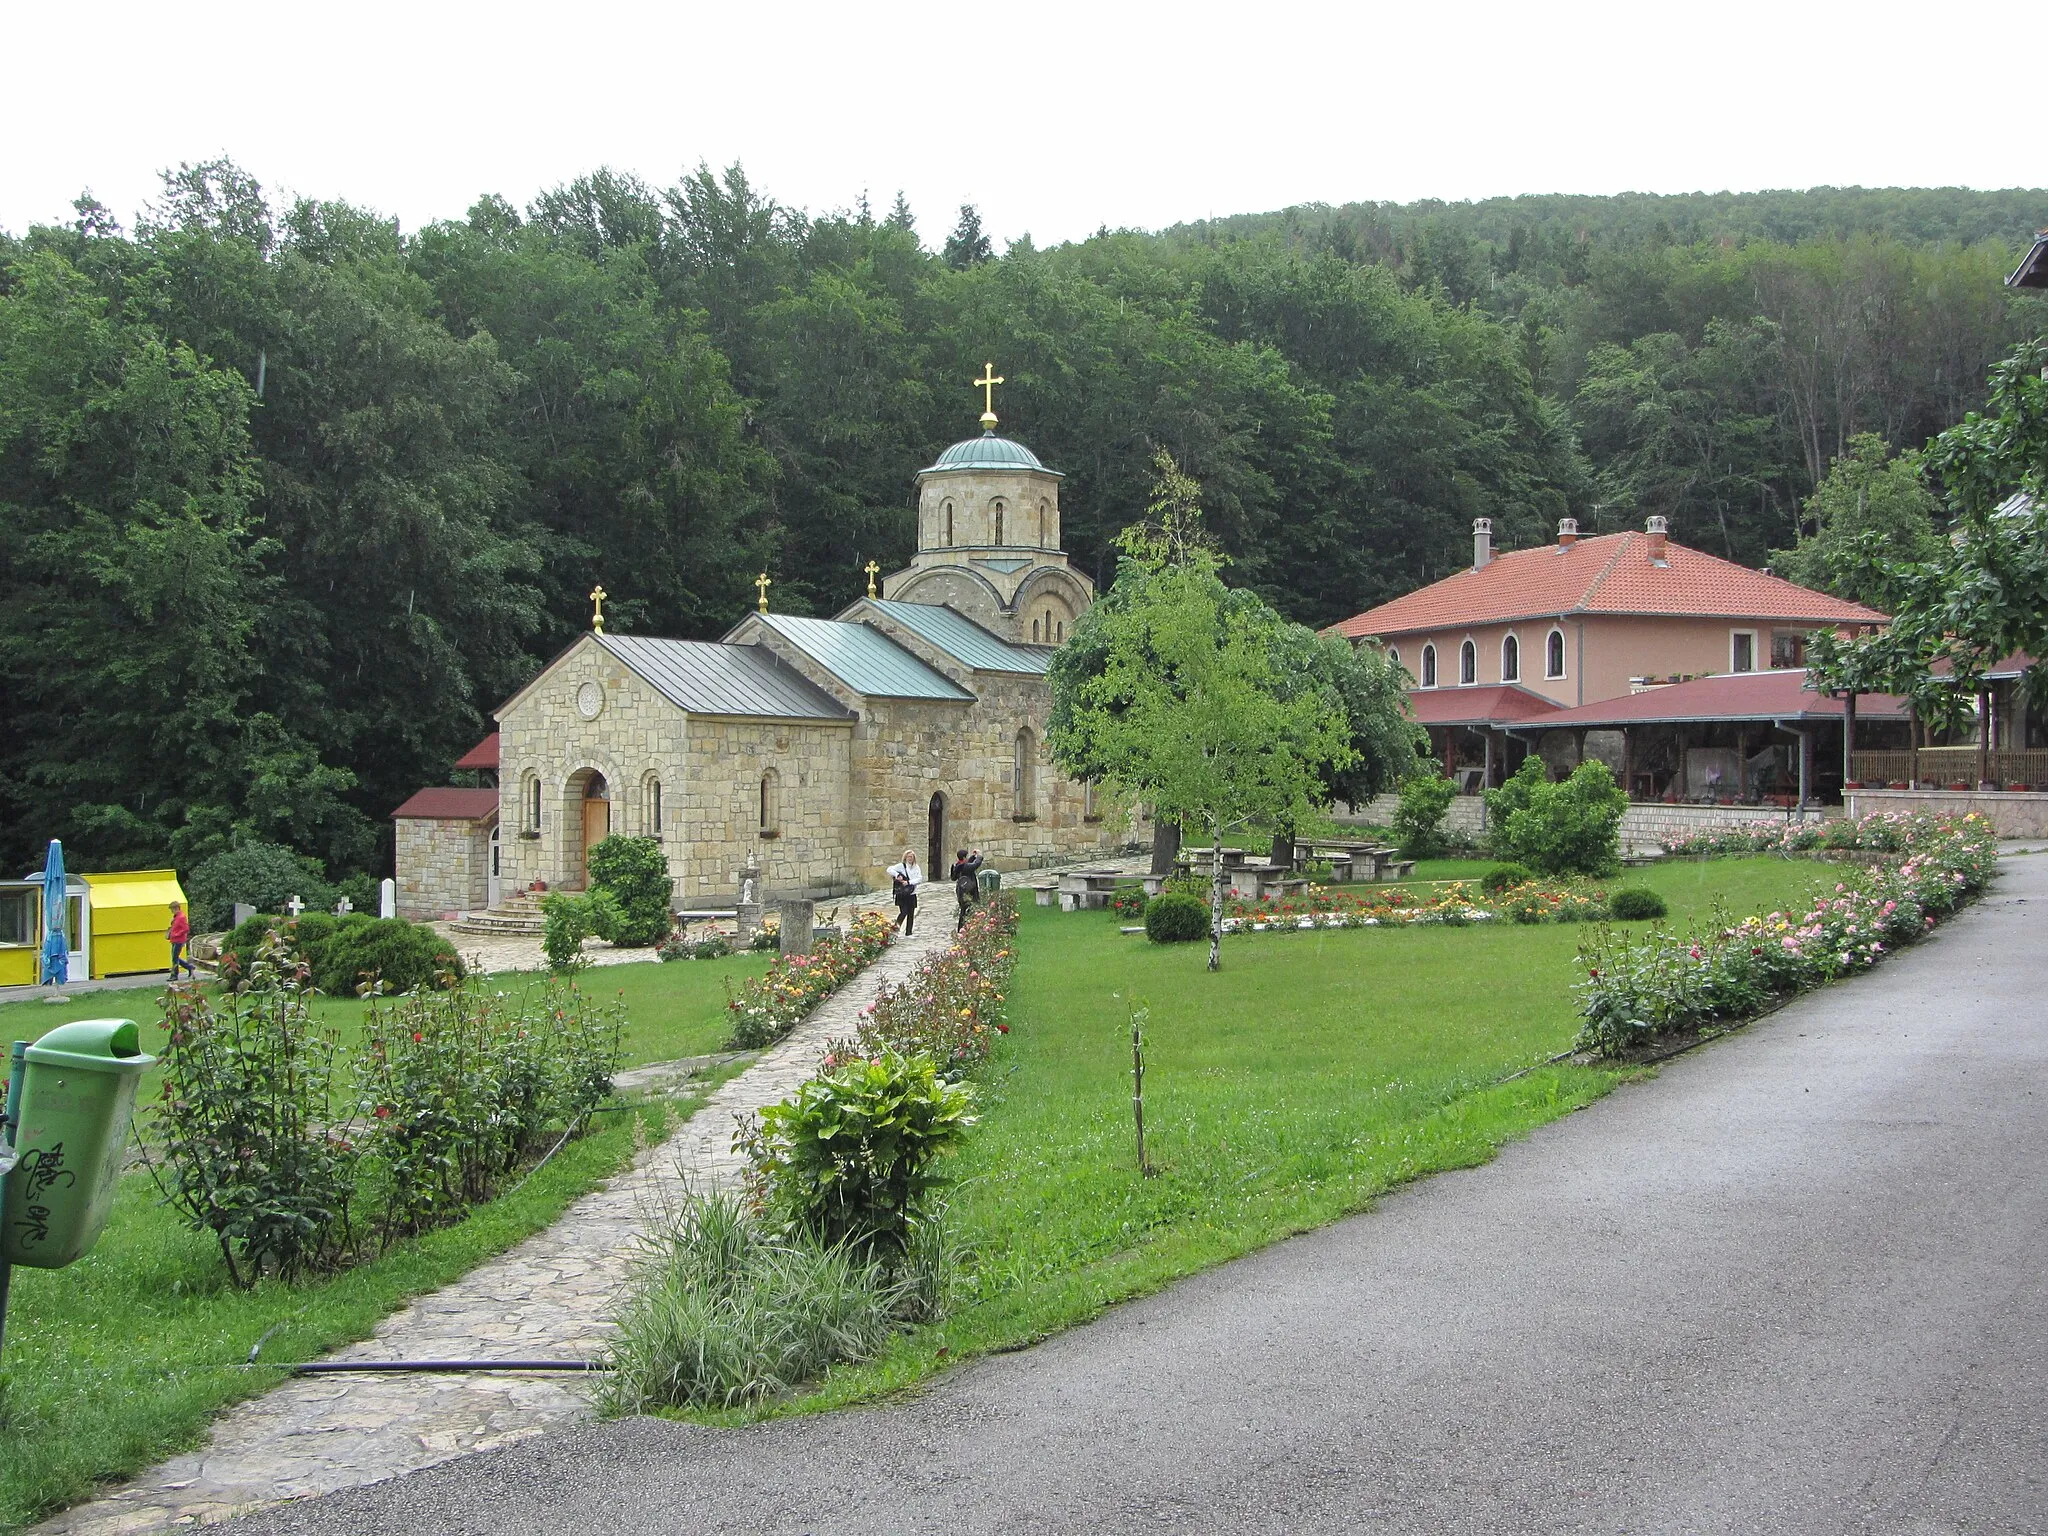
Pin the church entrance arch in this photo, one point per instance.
(935, 859)
(588, 823)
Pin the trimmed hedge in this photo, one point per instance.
(1505, 877)
(338, 951)
(1636, 904)
(1173, 917)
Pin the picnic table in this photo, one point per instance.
(1088, 888)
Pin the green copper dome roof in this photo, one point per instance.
(988, 452)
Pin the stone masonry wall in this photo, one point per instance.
(1645, 827)
(2015, 813)
(443, 867)
(811, 808)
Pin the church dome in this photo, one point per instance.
(988, 452)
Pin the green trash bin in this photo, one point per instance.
(990, 880)
(77, 1097)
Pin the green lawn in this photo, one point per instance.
(123, 1358)
(672, 1010)
(1314, 1072)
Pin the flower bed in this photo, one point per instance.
(764, 1008)
(1455, 903)
(1637, 988)
(1886, 832)
(951, 1007)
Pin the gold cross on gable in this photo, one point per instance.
(597, 597)
(761, 585)
(873, 570)
(987, 385)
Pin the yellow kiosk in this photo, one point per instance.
(115, 924)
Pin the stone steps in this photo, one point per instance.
(522, 921)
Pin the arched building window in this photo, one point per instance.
(529, 801)
(949, 524)
(1553, 654)
(1468, 664)
(1429, 666)
(771, 809)
(1024, 775)
(1510, 660)
(1044, 517)
(999, 522)
(650, 806)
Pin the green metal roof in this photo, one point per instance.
(864, 658)
(709, 678)
(964, 640)
(989, 452)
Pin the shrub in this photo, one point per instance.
(387, 952)
(1505, 877)
(1538, 903)
(256, 1139)
(567, 919)
(1635, 904)
(634, 872)
(458, 1089)
(1128, 899)
(1418, 823)
(850, 1159)
(362, 893)
(264, 875)
(724, 1312)
(1571, 828)
(1172, 917)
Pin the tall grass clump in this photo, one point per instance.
(726, 1311)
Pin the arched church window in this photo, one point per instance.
(650, 805)
(1090, 809)
(1034, 631)
(1024, 776)
(1044, 517)
(1510, 660)
(529, 800)
(771, 810)
(1062, 627)
(1468, 664)
(949, 525)
(999, 522)
(1429, 666)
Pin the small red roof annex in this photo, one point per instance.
(1609, 574)
(484, 755)
(1487, 704)
(1780, 694)
(447, 803)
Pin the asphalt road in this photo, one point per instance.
(1799, 1282)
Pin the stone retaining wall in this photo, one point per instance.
(2015, 813)
(1645, 827)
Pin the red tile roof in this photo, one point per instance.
(1775, 695)
(445, 803)
(483, 755)
(1495, 703)
(1611, 573)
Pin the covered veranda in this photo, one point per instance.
(1747, 738)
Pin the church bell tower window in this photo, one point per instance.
(949, 525)
(999, 522)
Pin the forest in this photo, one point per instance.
(292, 498)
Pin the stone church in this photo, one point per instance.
(821, 747)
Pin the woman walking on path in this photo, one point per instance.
(904, 879)
(180, 934)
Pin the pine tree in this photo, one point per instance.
(900, 216)
(967, 246)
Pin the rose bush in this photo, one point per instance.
(764, 1008)
(1639, 986)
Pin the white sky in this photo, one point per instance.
(1054, 118)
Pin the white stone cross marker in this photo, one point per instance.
(343, 907)
(387, 898)
(295, 906)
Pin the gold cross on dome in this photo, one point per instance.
(761, 585)
(873, 570)
(987, 385)
(597, 597)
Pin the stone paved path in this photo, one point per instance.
(551, 1297)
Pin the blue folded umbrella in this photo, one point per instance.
(56, 943)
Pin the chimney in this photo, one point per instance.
(1482, 543)
(1567, 532)
(1659, 531)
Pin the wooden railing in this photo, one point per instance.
(1950, 765)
